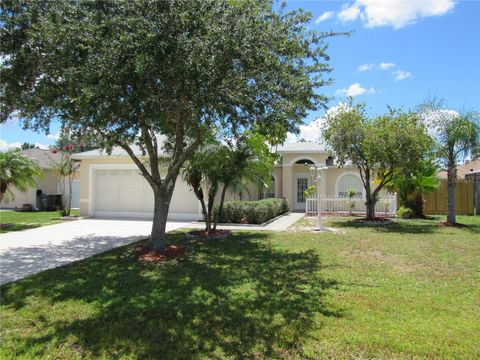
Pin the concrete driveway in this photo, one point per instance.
(28, 252)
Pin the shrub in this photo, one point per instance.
(405, 213)
(251, 212)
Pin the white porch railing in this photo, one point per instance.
(386, 205)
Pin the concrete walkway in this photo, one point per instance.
(280, 224)
(23, 253)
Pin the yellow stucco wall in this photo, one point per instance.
(183, 200)
(48, 185)
(285, 174)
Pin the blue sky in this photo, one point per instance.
(410, 51)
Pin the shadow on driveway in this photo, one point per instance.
(23, 261)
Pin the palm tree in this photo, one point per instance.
(457, 136)
(230, 165)
(459, 139)
(17, 170)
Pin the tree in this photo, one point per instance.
(457, 136)
(81, 141)
(231, 165)
(27, 145)
(17, 170)
(65, 168)
(381, 147)
(413, 182)
(131, 70)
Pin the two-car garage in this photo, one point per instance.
(125, 193)
(112, 186)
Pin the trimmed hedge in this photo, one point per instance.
(251, 212)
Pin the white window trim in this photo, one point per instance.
(345, 174)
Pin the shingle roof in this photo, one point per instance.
(117, 151)
(45, 158)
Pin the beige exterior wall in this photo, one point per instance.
(48, 185)
(183, 200)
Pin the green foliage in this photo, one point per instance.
(413, 182)
(351, 193)
(17, 170)
(131, 70)
(82, 141)
(252, 212)
(27, 145)
(381, 147)
(457, 136)
(233, 166)
(65, 167)
(310, 191)
(405, 213)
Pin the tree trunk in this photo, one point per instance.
(370, 204)
(212, 191)
(370, 201)
(162, 199)
(220, 207)
(451, 191)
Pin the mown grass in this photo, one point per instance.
(409, 290)
(17, 220)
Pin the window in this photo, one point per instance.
(270, 192)
(349, 182)
(302, 185)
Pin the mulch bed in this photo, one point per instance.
(145, 254)
(375, 221)
(450, 224)
(212, 235)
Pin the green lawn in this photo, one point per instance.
(407, 291)
(17, 220)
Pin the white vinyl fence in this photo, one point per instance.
(386, 205)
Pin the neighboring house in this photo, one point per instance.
(463, 170)
(48, 184)
(111, 185)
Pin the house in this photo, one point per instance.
(48, 184)
(111, 184)
(463, 170)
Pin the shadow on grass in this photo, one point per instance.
(236, 297)
(413, 226)
(5, 228)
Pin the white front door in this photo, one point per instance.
(302, 182)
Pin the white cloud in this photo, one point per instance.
(401, 75)
(349, 13)
(325, 16)
(436, 120)
(53, 136)
(41, 146)
(386, 66)
(355, 90)
(394, 13)
(312, 132)
(4, 146)
(365, 67)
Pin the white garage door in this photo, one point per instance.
(125, 193)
